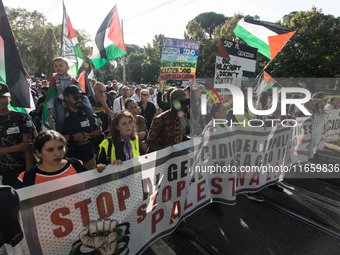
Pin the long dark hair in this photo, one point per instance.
(114, 132)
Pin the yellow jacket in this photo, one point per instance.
(105, 145)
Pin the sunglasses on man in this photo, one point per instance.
(76, 98)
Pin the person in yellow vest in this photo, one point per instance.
(122, 142)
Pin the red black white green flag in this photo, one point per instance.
(269, 38)
(83, 79)
(109, 42)
(70, 48)
(264, 83)
(12, 71)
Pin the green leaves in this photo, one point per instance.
(314, 49)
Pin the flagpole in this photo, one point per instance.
(264, 69)
(62, 31)
(124, 74)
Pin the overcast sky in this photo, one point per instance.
(143, 19)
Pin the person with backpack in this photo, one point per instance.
(50, 147)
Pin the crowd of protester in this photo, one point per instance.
(117, 123)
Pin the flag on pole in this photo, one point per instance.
(268, 37)
(109, 42)
(81, 80)
(85, 85)
(12, 71)
(70, 48)
(264, 83)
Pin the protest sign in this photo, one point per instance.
(227, 71)
(242, 53)
(179, 59)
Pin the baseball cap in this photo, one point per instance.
(73, 90)
(179, 95)
(4, 91)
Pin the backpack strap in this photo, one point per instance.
(77, 165)
(29, 176)
(138, 120)
(120, 102)
(109, 151)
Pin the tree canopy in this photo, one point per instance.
(209, 21)
(313, 51)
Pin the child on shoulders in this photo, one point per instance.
(62, 80)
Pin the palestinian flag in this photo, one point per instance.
(109, 42)
(70, 48)
(85, 85)
(264, 83)
(268, 37)
(12, 71)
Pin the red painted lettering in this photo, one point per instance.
(240, 178)
(180, 187)
(123, 193)
(186, 205)
(233, 185)
(66, 224)
(166, 194)
(105, 205)
(84, 210)
(156, 217)
(216, 185)
(142, 213)
(200, 190)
